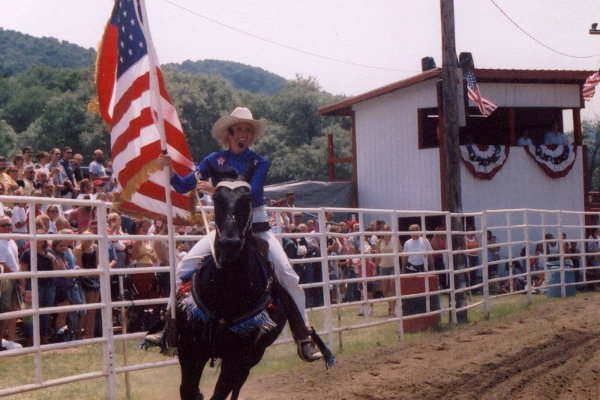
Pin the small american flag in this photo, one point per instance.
(486, 107)
(589, 87)
(131, 104)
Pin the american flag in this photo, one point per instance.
(486, 107)
(589, 87)
(134, 104)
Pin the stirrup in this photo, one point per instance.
(307, 351)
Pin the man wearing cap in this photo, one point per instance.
(236, 133)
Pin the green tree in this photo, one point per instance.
(591, 138)
(200, 100)
(296, 108)
(25, 106)
(8, 144)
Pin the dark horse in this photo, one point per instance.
(233, 312)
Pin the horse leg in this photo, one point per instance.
(234, 373)
(192, 365)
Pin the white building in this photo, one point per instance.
(397, 154)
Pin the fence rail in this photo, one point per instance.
(466, 283)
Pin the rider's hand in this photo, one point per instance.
(164, 160)
(205, 186)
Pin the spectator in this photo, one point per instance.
(58, 175)
(20, 217)
(142, 251)
(85, 189)
(65, 161)
(471, 243)
(161, 250)
(10, 186)
(554, 137)
(10, 289)
(72, 289)
(27, 152)
(96, 167)
(524, 140)
(113, 227)
(423, 260)
(28, 180)
(53, 212)
(42, 159)
(385, 249)
(76, 163)
(438, 243)
(46, 261)
(86, 256)
(81, 218)
(18, 162)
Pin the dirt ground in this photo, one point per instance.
(550, 351)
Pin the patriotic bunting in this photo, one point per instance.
(555, 160)
(484, 161)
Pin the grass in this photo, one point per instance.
(158, 383)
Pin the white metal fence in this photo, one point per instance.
(517, 233)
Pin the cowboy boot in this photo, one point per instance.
(307, 350)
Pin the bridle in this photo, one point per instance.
(231, 185)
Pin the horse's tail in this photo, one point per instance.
(328, 356)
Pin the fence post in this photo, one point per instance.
(485, 266)
(108, 347)
(325, 275)
(397, 275)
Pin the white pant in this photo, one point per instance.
(286, 276)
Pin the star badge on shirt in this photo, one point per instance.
(220, 161)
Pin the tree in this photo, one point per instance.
(25, 106)
(296, 108)
(591, 138)
(8, 144)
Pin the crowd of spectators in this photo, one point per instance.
(61, 174)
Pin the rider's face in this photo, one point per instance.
(240, 136)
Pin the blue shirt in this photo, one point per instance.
(223, 159)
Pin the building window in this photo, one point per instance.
(503, 127)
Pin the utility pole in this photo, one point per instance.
(451, 150)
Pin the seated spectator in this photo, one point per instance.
(524, 140)
(554, 137)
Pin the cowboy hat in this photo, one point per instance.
(220, 130)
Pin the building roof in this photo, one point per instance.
(344, 107)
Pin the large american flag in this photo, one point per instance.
(486, 107)
(589, 87)
(132, 103)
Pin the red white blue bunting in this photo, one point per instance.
(555, 160)
(484, 161)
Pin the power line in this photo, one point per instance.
(536, 40)
(285, 46)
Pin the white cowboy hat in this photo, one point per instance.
(220, 130)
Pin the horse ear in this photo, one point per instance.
(249, 171)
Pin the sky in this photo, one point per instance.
(349, 46)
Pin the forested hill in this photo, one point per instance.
(241, 76)
(18, 52)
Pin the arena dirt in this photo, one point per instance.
(550, 351)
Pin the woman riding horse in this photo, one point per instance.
(234, 310)
(236, 133)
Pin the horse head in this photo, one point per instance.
(233, 217)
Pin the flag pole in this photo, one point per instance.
(155, 90)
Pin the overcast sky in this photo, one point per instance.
(349, 46)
